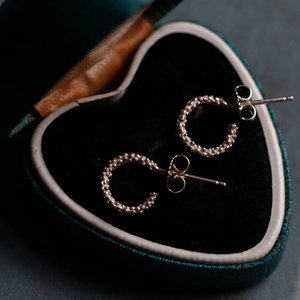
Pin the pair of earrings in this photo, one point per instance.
(247, 112)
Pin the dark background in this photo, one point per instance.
(267, 35)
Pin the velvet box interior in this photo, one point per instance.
(204, 218)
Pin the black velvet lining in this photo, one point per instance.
(205, 218)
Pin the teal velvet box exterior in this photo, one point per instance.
(54, 221)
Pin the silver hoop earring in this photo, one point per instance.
(173, 174)
(247, 112)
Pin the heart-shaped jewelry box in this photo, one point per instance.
(208, 236)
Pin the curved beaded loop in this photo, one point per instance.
(182, 120)
(107, 174)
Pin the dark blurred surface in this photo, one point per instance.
(266, 34)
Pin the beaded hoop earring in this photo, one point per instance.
(173, 174)
(247, 111)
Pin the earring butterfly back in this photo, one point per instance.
(247, 112)
(246, 105)
(173, 174)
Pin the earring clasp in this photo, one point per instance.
(246, 105)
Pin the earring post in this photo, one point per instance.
(273, 100)
(202, 179)
(193, 177)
